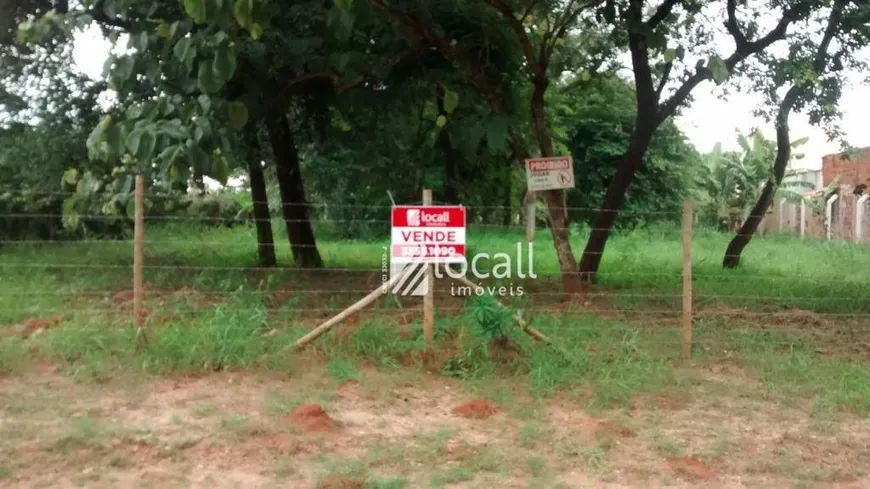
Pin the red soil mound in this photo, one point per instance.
(312, 418)
(691, 468)
(476, 409)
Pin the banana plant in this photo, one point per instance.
(732, 180)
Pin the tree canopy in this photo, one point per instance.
(340, 102)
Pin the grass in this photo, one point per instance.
(208, 312)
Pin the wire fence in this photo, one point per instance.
(191, 270)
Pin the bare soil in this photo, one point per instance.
(308, 432)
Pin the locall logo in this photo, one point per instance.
(413, 217)
(482, 266)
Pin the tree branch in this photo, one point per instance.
(520, 33)
(426, 35)
(666, 74)
(661, 13)
(643, 82)
(528, 10)
(742, 51)
(732, 26)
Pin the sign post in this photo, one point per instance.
(553, 173)
(422, 237)
(429, 298)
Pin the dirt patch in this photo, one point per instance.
(122, 297)
(311, 418)
(691, 468)
(37, 325)
(604, 429)
(476, 409)
(791, 317)
(335, 482)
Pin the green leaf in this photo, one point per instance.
(195, 9)
(224, 64)
(96, 137)
(244, 12)
(114, 140)
(670, 55)
(256, 31)
(147, 143)
(339, 60)
(345, 5)
(198, 157)
(341, 23)
(718, 70)
(134, 139)
(238, 114)
(130, 208)
(451, 101)
(185, 51)
(71, 176)
(171, 154)
(206, 79)
(441, 121)
(430, 111)
(800, 142)
(139, 42)
(164, 30)
(123, 68)
(70, 216)
(174, 128)
(220, 169)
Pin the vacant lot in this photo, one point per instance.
(776, 395)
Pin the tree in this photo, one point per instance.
(815, 85)
(663, 42)
(197, 72)
(593, 119)
(532, 32)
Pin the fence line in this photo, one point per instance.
(694, 303)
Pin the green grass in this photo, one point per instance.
(229, 317)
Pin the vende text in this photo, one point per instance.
(429, 236)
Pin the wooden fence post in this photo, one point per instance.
(429, 298)
(138, 257)
(530, 215)
(687, 278)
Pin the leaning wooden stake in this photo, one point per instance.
(429, 298)
(365, 301)
(687, 278)
(138, 259)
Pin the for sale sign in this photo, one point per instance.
(423, 235)
(550, 173)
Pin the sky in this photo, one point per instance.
(708, 120)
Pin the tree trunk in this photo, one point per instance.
(262, 218)
(555, 199)
(294, 207)
(613, 200)
(783, 145)
(756, 215)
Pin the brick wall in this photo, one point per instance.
(852, 171)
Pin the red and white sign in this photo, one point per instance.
(428, 234)
(550, 173)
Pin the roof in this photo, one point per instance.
(865, 149)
